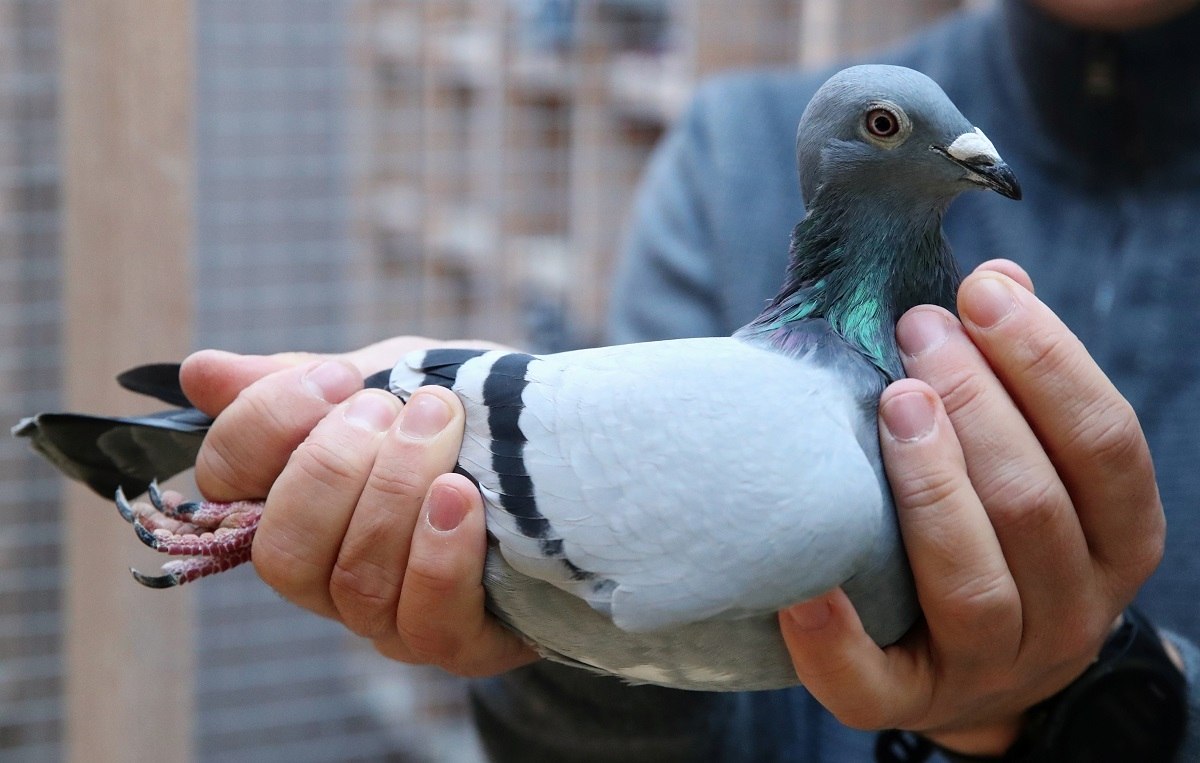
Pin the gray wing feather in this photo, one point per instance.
(111, 452)
(681, 480)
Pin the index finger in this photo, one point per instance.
(1089, 431)
(251, 441)
(212, 379)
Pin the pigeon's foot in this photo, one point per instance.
(216, 536)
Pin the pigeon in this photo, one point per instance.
(650, 507)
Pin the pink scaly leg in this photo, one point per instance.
(216, 535)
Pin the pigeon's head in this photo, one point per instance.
(887, 133)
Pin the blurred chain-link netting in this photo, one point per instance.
(364, 168)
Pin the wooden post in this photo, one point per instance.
(820, 26)
(126, 111)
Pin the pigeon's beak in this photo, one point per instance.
(975, 153)
(994, 175)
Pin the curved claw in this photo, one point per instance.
(144, 535)
(169, 580)
(154, 494)
(123, 507)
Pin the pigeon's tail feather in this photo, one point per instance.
(420, 369)
(129, 452)
(120, 452)
(126, 452)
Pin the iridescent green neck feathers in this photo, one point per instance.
(854, 276)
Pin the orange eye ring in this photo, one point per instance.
(881, 123)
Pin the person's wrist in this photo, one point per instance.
(1129, 704)
(992, 739)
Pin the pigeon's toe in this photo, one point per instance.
(217, 536)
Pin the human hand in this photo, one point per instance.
(363, 522)
(1029, 510)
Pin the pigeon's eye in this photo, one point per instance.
(882, 123)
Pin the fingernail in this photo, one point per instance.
(908, 417)
(446, 509)
(921, 331)
(329, 381)
(811, 615)
(370, 411)
(987, 302)
(424, 416)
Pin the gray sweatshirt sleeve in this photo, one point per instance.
(1191, 662)
(550, 712)
(665, 285)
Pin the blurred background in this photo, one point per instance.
(266, 175)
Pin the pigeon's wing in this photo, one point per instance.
(667, 482)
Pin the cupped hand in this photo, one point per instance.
(1030, 514)
(364, 520)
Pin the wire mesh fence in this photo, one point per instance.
(363, 168)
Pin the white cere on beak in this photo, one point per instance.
(973, 146)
